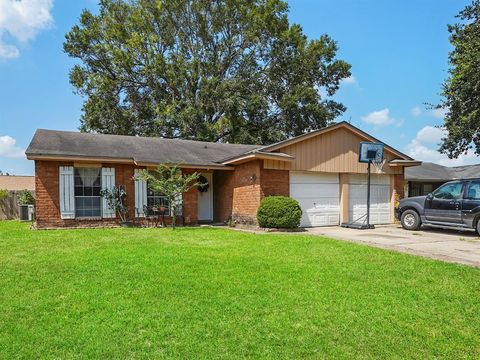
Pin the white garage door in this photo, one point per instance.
(318, 195)
(379, 198)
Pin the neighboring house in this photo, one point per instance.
(423, 179)
(319, 169)
(8, 205)
(17, 183)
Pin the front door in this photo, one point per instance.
(205, 200)
(445, 204)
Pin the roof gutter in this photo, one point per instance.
(89, 159)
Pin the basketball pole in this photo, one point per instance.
(368, 194)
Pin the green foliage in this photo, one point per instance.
(233, 71)
(25, 197)
(3, 194)
(279, 212)
(115, 198)
(461, 90)
(170, 181)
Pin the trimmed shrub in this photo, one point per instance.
(25, 197)
(279, 212)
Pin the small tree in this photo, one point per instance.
(115, 198)
(3, 194)
(25, 197)
(168, 180)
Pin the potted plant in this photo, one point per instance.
(115, 198)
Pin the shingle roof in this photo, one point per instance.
(434, 172)
(139, 149)
(15, 182)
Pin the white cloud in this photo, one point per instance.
(351, 80)
(9, 147)
(379, 118)
(430, 135)
(425, 145)
(438, 113)
(21, 20)
(416, 111)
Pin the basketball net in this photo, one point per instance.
(378, 165)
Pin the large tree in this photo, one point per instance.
(215, 70)
(461, 90)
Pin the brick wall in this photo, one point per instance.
(223, 182)
(190, 203)
(251, 184)
(247, 192)
(48, 200)
(275, 182)
(399, 185)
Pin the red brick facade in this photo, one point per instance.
(399, 185)
(222, 195)
(47, 189)
(236, 193)
(251, 184)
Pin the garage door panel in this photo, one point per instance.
(307, 191)
(318, 196)
(315, 178)
(374, 180)
(379, 198)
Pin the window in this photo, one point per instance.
(449, 191)
(473, 192)
(155, 200)
(427, 189)
(87, 192)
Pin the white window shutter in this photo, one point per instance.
(67, 193)
(140, 195)
(179, 201)
(108, 182)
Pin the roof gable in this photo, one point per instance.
(341, 125)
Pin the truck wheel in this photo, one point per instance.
(410, 220)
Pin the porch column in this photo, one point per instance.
(344, 198)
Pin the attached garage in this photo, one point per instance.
(319, 197)
(380, 198)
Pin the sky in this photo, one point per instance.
(398, 51)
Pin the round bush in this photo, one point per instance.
(279, 212)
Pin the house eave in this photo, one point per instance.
(404, 163)
(102, 159)
(260, 156)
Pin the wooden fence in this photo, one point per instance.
(9, 209)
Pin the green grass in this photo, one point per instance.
(215, 293)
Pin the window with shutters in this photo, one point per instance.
(155, 200)
(88, 184)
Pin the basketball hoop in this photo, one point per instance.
(370, 153)
(379, 165)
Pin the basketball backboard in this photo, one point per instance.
(369, 151)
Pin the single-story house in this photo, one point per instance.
(320, 169)
(13, 184)
(427, 177)
(17, 182)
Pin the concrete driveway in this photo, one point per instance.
(454, 246)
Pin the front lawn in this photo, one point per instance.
(209, 293)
